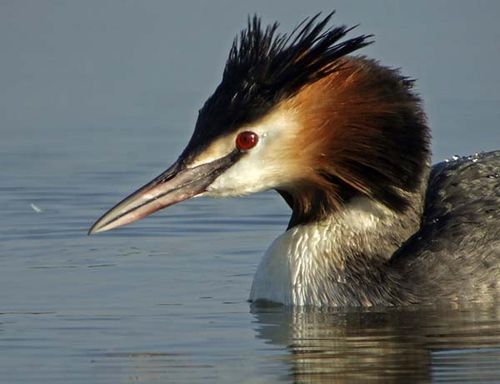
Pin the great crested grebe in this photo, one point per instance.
(345, 142)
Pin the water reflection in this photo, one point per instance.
(417, 344)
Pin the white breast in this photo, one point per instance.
(293, 270)
(305, 265)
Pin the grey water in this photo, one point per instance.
(96, 98)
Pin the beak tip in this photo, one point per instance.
(94, 229)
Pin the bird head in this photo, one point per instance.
(295, 113)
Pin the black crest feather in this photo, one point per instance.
(265, 66)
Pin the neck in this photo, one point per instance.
(340, 260)
(359, 198)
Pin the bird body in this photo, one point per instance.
(353, 259)
(344, 140)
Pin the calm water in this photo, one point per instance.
(164, 300)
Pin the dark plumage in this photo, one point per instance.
(265, 67)
(456, 252)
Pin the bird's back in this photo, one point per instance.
(457, 251)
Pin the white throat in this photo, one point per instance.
(306, 265)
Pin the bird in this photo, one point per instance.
(346, 143)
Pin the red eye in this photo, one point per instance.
(246, 140)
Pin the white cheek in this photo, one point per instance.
(266, 166)
(254, 172)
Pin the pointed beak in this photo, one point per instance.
(176, 184)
